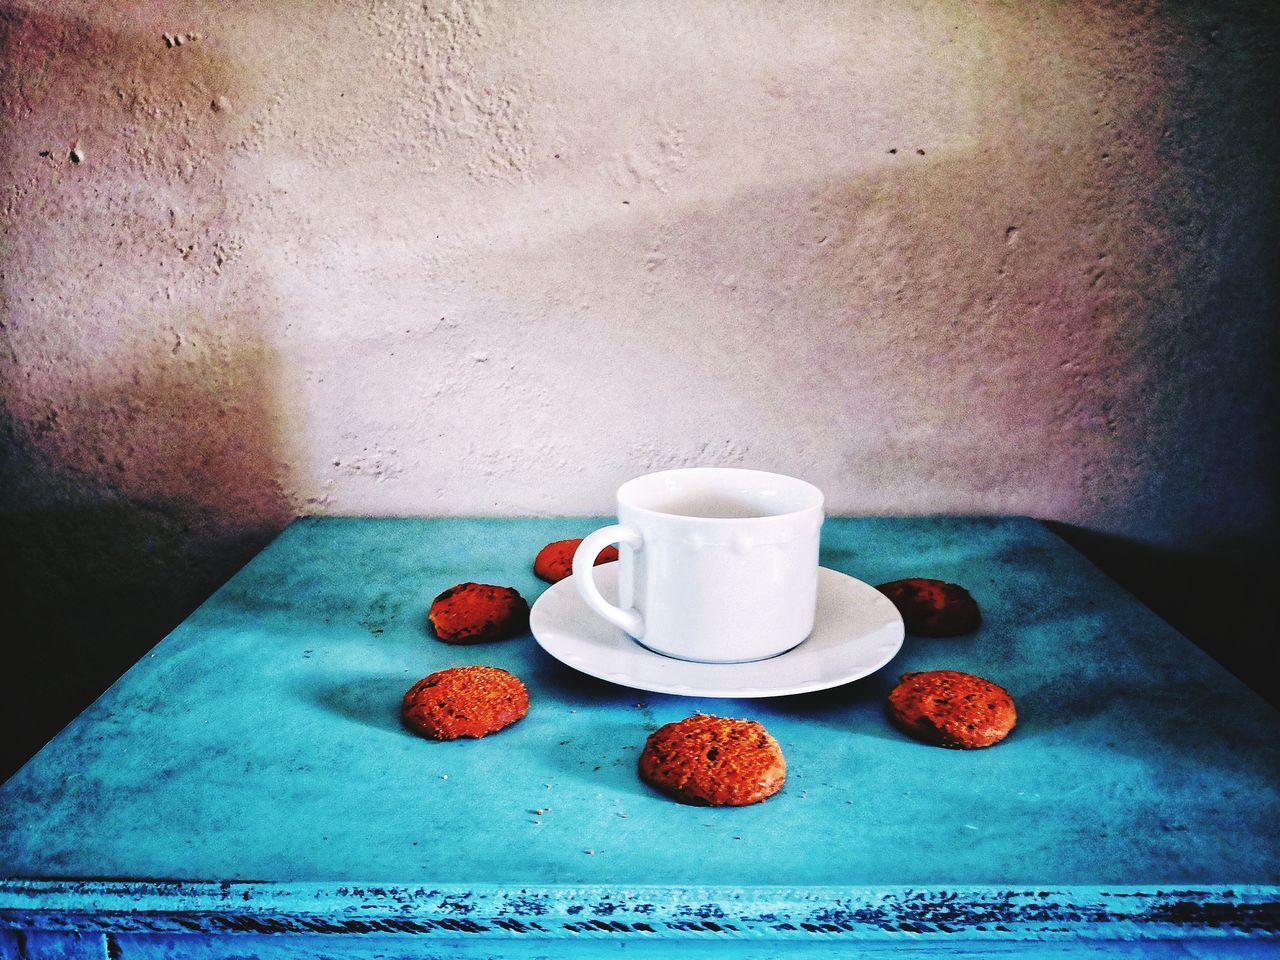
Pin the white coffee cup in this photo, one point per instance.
(717, 564)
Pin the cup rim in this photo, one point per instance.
(815, 502)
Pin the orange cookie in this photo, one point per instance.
(933, 608)
(713, 762)
(464, 702)
(952, 709)
(555, 561)
(478, 613)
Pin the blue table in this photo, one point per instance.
(247, 790)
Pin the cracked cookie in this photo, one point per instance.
(464, 702)
(713, 761)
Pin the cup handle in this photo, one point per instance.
(584, 560)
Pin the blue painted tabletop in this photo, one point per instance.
(260, 744)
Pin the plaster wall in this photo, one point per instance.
(270, 258)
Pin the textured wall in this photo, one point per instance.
(263, 258)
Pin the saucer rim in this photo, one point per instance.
(751, 692)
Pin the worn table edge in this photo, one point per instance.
(872, 913)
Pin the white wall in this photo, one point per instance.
(462, 257)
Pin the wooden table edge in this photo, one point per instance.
(494, 910)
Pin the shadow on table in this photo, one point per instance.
(855, 708)
(1218, 597)
(843, 709)
(1147, 722)
(575, 687)
(370, 701)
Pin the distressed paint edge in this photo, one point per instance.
(880, 913)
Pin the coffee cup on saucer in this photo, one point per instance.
(716, 564)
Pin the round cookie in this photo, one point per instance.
(952, 709)
(478, 613)
(933, 608)
(713, 762)
(464, 702)
(555, 561)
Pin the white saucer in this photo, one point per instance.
(857, 632)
